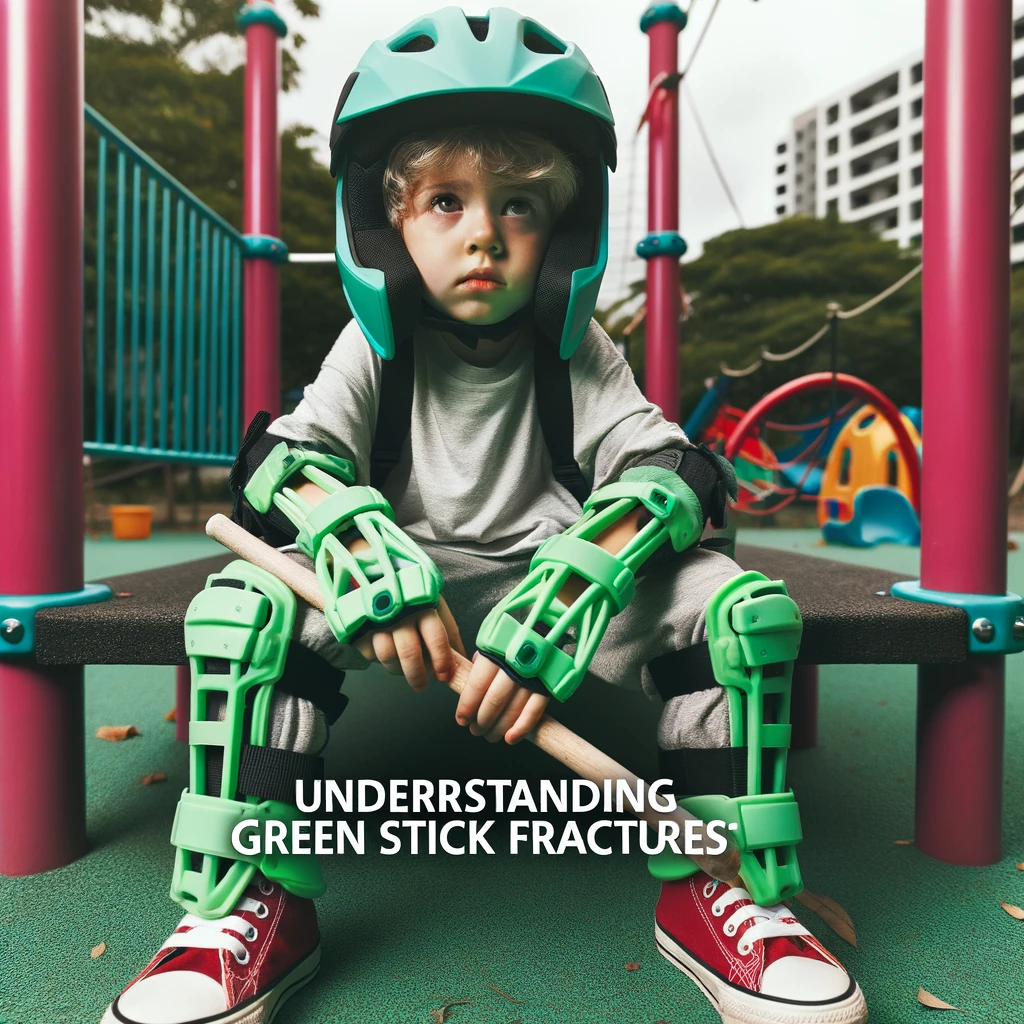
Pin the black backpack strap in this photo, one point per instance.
(554, 410)
(394, 413)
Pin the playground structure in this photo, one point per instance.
(50, 630)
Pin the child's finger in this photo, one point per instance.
(410, 655)
(437, 642)
(451, 626)
(384, 650)
(480, 676)
(509, 715)
(529, 718)
(493, 703)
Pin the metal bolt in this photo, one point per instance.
(12, 630)
(1018, 629)
(983, 630)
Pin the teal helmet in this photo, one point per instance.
(442, 71)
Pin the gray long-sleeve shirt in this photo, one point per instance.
(475, 472)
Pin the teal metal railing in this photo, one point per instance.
(162, 336)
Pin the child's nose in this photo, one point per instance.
(484, 235)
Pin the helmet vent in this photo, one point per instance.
(479, 27)
(533, 40)
(415, 45)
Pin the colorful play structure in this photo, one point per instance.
(201, 357)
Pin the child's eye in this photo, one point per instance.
(445, 203)
(519, 208)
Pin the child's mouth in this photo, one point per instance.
(480, 284)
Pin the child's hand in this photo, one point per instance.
(399, 645)
(492, 705)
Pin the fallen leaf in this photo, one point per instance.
(831, 913)
(632, 967)
(903, 842)
(116, 733)
(883, 702)
(1012, 910)
(504, 996)
(123, 593)
(1020, 865)
(148, 780)
(442, 1015)
(927, 999)
(1011, 544)
(171, 716)
(97, 951)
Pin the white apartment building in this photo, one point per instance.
(858, 152)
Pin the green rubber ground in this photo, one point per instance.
(405, 935)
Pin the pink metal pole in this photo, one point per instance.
(965, 393)
(261, 216)
(42, 156)
(662, 23)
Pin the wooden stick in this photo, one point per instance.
(550, 735)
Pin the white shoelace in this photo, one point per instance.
(205, 933)
(771, 921)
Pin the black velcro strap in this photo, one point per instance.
(311, 677)
(554, 410)
(718, 770)
(269, 773)
(394, 412)
(681, 672)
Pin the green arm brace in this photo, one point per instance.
(509, 631)
(361, 590)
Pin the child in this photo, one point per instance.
(482, 405)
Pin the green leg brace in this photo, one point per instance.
(754, 629)
(249, 629)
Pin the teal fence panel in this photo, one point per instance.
(163, 311)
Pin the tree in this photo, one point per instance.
(769, 288)
(191, 123)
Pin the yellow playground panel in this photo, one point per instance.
(865, 454)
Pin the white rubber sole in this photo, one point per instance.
(258, 1011)
(736, 1006)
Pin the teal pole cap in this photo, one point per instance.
(260, 13)
(657, 13)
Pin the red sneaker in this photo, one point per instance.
(757, 965)
(237, 969)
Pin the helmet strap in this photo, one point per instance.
(471, 334)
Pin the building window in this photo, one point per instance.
(915, 240)
(1018, 104)
(780, 210)
(781, 169)
(799, 158)
(915, 175)
(1018, 233)
(780, 148)
(799, 179)
(1018, 29)
(832, 176)
(1018, 67)
(832, 114)
(799, 136)
(832, 146)
(780, 190)
(915, 210)
(916, 142)
(1018, 142)
(1018, 198)
(916, 73)
(798, 199)
(915, 107)
(832, 206)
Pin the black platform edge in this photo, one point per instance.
(845, 621)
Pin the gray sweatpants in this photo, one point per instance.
(666, 615)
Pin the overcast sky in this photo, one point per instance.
(759, 65)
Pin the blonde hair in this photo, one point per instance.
(509, 155)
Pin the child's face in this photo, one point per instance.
(463, 222)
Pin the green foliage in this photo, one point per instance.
(191, 123)
(769, 288)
